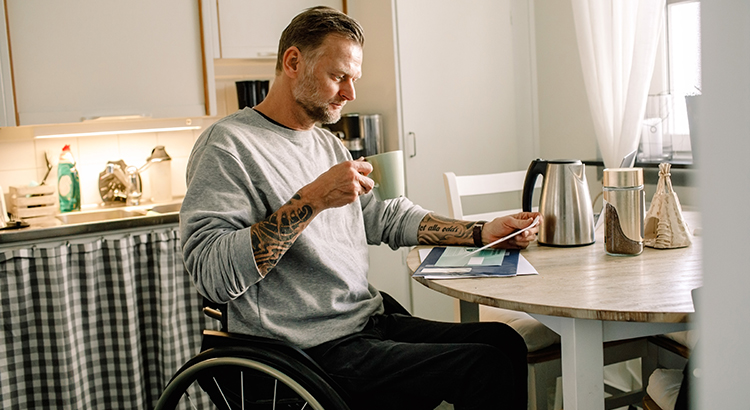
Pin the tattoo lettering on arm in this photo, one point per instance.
(438, 230)
(275, 235)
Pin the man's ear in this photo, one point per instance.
(291, 63)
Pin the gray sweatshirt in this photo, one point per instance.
(242, 169)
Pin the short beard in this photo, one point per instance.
(307, 96)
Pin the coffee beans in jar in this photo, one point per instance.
(624, 211)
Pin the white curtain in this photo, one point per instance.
(617, 41)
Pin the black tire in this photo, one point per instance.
(270, 380)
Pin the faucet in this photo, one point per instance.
(134, 186)
(120, 182)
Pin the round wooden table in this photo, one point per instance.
(589, 297)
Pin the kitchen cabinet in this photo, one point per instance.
(7, 109)
(388, 273)
(466, 101)
(82, 60)
(252, 28)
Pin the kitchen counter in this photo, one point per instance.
(97, 220)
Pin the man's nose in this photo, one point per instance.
(347, 91)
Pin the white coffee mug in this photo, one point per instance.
(388, 174)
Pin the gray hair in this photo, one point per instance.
(308, 30)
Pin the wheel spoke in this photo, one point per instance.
(215, 381)
(190, 399)
(222, 393)
(275, 384)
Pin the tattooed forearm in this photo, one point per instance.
(437, 230)
(275, 235)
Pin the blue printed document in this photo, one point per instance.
(463, 262)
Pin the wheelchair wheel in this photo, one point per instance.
(248, 378)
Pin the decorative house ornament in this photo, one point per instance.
(665, 227)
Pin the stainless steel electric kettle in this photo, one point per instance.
(564, 202)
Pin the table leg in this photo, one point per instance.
(468, 311)
(583, 354)
(582, 364)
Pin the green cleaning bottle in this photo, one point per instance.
(68, 183)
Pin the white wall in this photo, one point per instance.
(724, 144)
(22, 160)
(376, 90)
(566, 129)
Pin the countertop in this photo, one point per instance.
(40, 233)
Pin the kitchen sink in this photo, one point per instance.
(115, 212)
(166, 208)
(99, 215)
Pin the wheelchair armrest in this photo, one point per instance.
(212, 313)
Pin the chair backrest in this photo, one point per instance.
(457, 187)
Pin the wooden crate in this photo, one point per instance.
(33, 202)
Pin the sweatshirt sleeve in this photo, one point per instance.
(215, 221)
(394, 222)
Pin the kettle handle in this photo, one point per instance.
(536, 168)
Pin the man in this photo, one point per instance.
(276, 222)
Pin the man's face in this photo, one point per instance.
(327, 82)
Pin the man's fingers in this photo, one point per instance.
(362, 167)
(366, 184)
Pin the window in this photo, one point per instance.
(677, 74)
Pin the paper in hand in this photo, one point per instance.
(505, 238)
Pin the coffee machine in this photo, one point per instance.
(361, 134)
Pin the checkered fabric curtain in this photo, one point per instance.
(102, 324)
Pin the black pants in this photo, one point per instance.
(403, 362)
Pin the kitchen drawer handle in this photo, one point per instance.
(414, 144)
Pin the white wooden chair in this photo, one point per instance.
(457, 187)
(543, 344)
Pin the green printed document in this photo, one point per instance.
(459, 262)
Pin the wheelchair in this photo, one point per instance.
(235, 371)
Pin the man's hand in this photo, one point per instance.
(339, 186)
(505, 225)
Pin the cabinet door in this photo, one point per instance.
(389, 273)
(458, 102)
(252, 28)
(7, 107)
(457, 92)
(83, 59)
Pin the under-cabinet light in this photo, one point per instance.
(120, 132)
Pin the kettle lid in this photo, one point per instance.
(564, 161)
